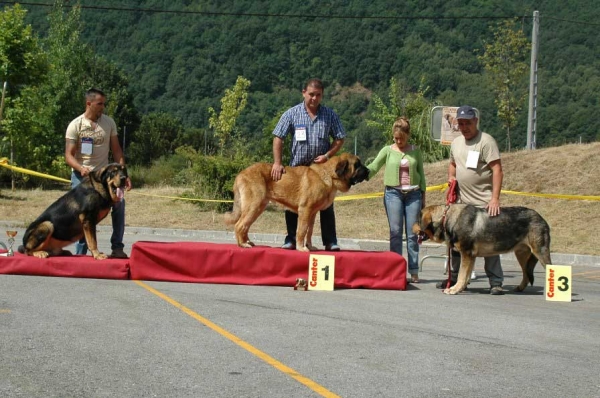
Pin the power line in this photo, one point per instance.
(306, 16)
(264, 15)
(569, 21)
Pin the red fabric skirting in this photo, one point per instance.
(261, 265)
(68, 266)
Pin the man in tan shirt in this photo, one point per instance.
(475, 164)
(90, 138)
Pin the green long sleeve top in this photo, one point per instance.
(391, 159)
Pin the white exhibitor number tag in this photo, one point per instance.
(321, 272)
(300, 133)
(472, 159)
(558, 283)
(87, 145)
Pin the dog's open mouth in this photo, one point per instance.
(117, 193)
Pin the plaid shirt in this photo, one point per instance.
(326, 124)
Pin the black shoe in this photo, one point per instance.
(118, 253)
(443, 284)
(289, 246)
(332, 247)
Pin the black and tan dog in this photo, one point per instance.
(473, 233)
(76, 214)
(304, 190)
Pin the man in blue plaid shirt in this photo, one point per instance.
(312, 126)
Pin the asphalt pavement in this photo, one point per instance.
(69, 337)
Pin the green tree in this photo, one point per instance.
(504, 61)
(37, 119)
(156, 137)
(232, 104)
(69, 58)
(23, 65)
(22, 60)
(413, 106)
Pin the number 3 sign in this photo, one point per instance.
(558, 283)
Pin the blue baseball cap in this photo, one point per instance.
(466, 112)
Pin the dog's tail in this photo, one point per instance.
(231, 217)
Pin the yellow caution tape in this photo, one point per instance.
(554, 196)
(4, 163)
(380, 194)
(180, 198)
(441, 187)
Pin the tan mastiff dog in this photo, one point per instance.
(304, 190)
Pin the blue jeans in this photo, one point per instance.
(328, 233)
(403, 211)
(118, 221)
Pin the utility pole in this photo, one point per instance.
(2, 99)
(533, 84)
(12, 173)
(124, 139)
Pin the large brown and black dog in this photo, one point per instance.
(76, 214)
(473, 233)
(304, 190)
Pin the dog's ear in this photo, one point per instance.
(96, 175)
(342, 168)
(428, 226)
(124, 169)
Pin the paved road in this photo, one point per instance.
(63, 337)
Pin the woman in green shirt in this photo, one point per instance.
(404, 194)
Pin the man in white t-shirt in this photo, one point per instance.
(475, 164)
(90, 138)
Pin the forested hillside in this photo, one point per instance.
(180, 56)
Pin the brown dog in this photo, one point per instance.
(304, 190)
(76, 214)
(473, 233)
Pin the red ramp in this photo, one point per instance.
(67, 266)
(261, 265)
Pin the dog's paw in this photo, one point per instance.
(451, 291)
(246, 245)
(100, 256)
(40, 254)
(303, 249)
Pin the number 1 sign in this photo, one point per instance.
(321, 272)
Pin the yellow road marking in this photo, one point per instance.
(255, 351)
(3, 311)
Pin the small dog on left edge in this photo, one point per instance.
(76, 214)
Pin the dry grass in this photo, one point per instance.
(571, 169)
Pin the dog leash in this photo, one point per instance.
(451, 197)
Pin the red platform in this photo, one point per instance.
(68, 266)
(219, 263)
(261, 265)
